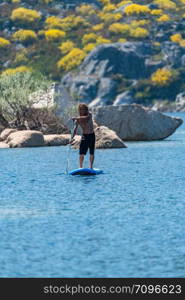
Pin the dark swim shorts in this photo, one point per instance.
(87, 141)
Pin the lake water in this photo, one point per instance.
(128, 222)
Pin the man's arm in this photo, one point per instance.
(82, 118)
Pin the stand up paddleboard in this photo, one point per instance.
(86, 171)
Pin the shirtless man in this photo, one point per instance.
(88, 137)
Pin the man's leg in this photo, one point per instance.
(91, 158)
(91, 148)
(81, 159)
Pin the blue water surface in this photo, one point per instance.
(128, 222)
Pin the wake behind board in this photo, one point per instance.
(86, 171)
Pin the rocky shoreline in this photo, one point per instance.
(112, 124)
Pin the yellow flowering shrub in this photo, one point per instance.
(54, 35)
(110, 17)
(24, 15)
(72, 59)
(53, 22)
(123, 3)
(163, 18)
(139, 32)
(137, 23)
(156, 44)
(4, 43)
(98, 27)
(182, 43)
(89, 47)
(162, 77)
(137, 9)
(24, 36)
(12, 71)
(46, 1)
(156, 12)
(121, 40)
(119, 28)
(166, 4)
(67, 23)
(109, 7)
(66, 47)
(41, 33)
(102, 40)
(176, 38)
(89, 37)
(86, 10)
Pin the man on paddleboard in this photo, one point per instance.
(88, 137)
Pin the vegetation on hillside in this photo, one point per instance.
(43, 36)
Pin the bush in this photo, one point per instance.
(67, 23)
(54, 35)
(98, 27)
(24, 36)
(110, 17)
(163, 77)
(109, 7)
(137, 9)
(163, 18)
(123, 3)
(53, 22)
(137, 23)
(89, 47)
(166, 4)
(72, 59)
(176, 38)
(4, 43)
(20, 69)
(86, 10)
(156, 12)
(122, 40)
(66, 47)
(101, 40)
(119, 28)
(139, 32)
(23, 15)
(89, 37)
(15, 90)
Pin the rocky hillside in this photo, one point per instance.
(105, 51)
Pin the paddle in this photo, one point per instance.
(69, 145)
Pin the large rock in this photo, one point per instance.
(180, 102)
(105, 138)
(124, 98)
(99, 79)
(135, 122)
(127, 59)
(56, 139)
(25, 138)
(5, 133)
(173, 54)
(84, 87)
(3, 145)
(164, 106)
